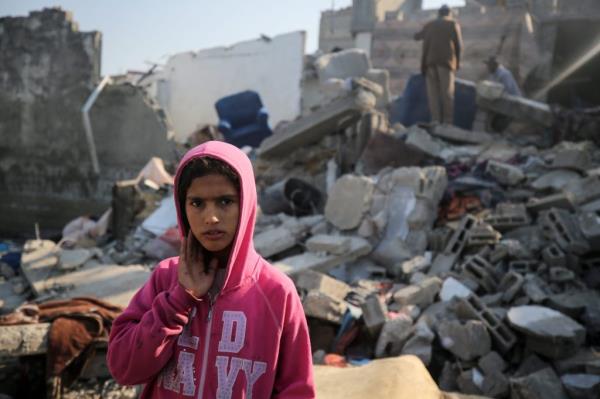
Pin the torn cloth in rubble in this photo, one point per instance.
(76, 323)
(458, 206)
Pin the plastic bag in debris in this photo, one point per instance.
(83, 227)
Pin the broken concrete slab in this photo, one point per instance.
(324, 307)
(393, 336)
(70, 259)
(543, 384)
(417, 264)
(419, 140)
(336, 245)
(310, 280)
(420, 343)
(572, 159)
(326, 120)
(273, 241)
(422, 294)
(38, 262)
(504, 173)
(456, 134)
(374, 312)
(348, 201)
(548, 332)
(453, 288)
(564, 200)
(319, 262)
(24, 340)
(581, 386)
(556, 180)
(466, 341)
(519, 108)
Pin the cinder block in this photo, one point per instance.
(483, 234)
(554, 256)
(481, 271)
(508, 216)
(589, 223)
(503, 337)
(374, 313)
(523, 266)
(444, 261)
(510, 285)
(562, 227)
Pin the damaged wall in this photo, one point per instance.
(486, 31)
(193, 81)
(48, 68)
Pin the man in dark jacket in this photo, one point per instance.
(442, 43)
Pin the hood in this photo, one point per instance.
(242, 258)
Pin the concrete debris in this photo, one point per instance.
(476, 253)
(549, 333)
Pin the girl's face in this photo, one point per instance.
(212, 206)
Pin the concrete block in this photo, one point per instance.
(421, 294)
(420, 343)
(482, 272)
(324, 307)
(337, 245)
(508, 216)
(466, 341)
(309, 280)
(472, 307)
(533, 288)
(419, 140)
(574, 159)
(393, 336)
(453, 288)
(554, 256)
(351, 63)
(561, 274)
(519, 108)
(581, 386)
(492, 362)
(564, 200)
(562, 227)
(523, 266)
(417, 264)
(589, 222)
(273, 241)
(374, 313)
(348, 201)
(482, 234)
(510, 285)
(584, 190)
(504, 173)
(443, 262)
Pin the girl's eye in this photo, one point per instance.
(196, 203)
(226, 201)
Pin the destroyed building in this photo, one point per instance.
(432, 261)
(49, 69)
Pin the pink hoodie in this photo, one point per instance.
(251, 341)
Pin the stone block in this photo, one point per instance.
(492, 362)
(420, 343)
(561, 274)
(336, 245)
(581, 386)
(453, 288)
(417, 264)
(348, 200)
(574, 159)
(458, 135)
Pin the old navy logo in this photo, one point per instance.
(180, 378)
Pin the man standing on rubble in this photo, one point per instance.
(442, 43)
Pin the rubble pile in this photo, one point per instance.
(465, 249)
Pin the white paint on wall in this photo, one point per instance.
(193, 81)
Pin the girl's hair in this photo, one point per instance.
(199, 167)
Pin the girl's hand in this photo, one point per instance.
(195, 277)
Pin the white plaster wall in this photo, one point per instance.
(194, 81)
